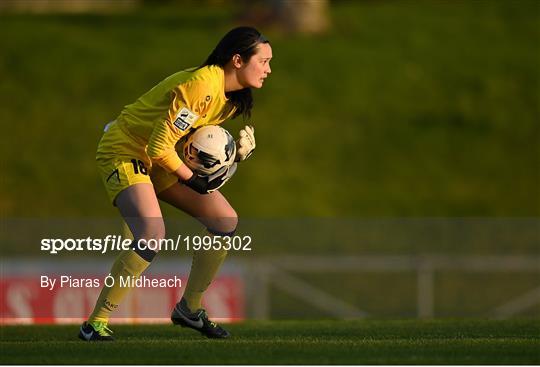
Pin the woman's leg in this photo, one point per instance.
(215, 212)
(140, 209)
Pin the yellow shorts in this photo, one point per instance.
(123, 162)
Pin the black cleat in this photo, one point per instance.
(182, 315)
(95, 331)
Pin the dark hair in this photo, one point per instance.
(242, 41)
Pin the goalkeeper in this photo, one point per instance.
(138, 163)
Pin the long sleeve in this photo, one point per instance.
(189, 101)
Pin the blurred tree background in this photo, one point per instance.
(391, 108)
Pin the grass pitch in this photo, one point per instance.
(286, 342)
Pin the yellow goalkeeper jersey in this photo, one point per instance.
(188, 99)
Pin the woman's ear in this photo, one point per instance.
(237, 61)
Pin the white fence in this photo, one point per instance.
(276, 272)
(247, 284)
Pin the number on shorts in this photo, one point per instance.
(139, 167)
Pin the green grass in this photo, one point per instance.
(287, 342)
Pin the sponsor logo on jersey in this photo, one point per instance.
(185, 119)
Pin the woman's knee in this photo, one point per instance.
(148, 241)
(147, 228)
(224, 224)
(148, 234)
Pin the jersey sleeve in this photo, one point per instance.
(189, 101)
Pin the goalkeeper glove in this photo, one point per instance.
(207, 184)
(245, 145)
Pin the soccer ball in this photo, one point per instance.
(208, 149)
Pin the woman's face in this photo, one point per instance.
(253, 73)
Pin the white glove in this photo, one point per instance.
(245, 145)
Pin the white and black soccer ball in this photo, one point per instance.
(208, 149)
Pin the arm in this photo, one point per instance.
(187, 104)
(183, 173)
